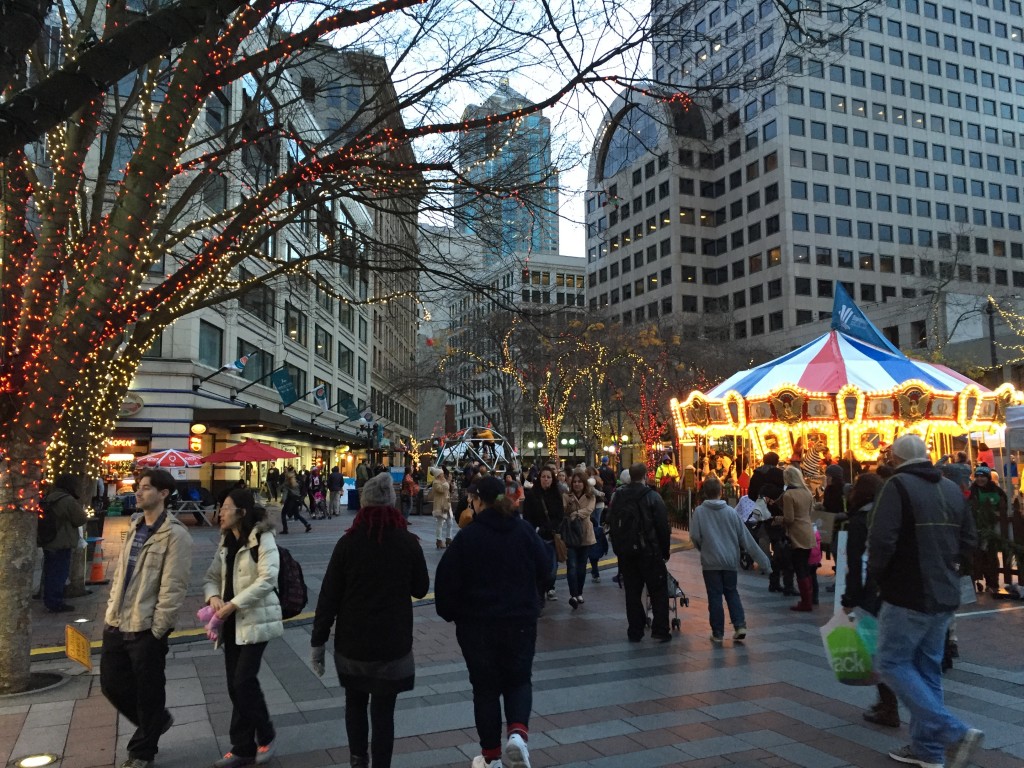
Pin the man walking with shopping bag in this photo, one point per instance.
(921, 536)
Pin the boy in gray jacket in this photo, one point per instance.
(719, 534)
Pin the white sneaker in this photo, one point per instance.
(516, 753)
(480, 762)
(551, 595)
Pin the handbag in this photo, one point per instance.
(850, 644)
(571, 532)
(561, 551)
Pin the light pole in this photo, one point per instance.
(990, 310)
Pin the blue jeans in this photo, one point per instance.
(719, 584)
(56, 566)
(909, 660)
(576, 569)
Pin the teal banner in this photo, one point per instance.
(285, 386)
(350, 409)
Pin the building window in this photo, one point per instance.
(260, 363)
(211, 345)
(323, 343)
(361, 368)
(295, 324)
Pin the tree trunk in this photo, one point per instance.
(19, 492)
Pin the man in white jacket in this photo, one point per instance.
(717, 532)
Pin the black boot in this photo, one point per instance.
(886, 712)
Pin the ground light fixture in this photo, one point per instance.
(34, 761)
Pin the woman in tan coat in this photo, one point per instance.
(578, 529)
(796, 517)
(440, 489)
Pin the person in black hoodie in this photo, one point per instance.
(374, 569)
(543, 509)
(487, 583)
(767, 482)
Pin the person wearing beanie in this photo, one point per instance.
(488, 584)
(376, 567)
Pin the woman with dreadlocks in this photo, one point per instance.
(375, 568)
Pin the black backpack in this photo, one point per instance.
(291, 586)
(631, 528)
(46, 525)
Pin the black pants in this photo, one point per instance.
(250, 720)
(800, 565)
(382, 720)
(499, 658)
(132, 679)
(291, 509)
(637, 573)
(856, 544)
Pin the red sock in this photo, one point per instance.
(519, 728)
(491, 755)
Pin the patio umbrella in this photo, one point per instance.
(169, 459)
(250, 450)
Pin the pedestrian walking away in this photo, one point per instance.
(291, 502)
(488, 583)
(149, 586)
(65, 515)
(240, 585)
(335, 486)
(639, 530)
(920, 540)
(376, 567)
(719, 534)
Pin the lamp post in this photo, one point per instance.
(990, 310)
(366, 424)
(535, 446)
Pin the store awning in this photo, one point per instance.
(250, 419)
(304, 430)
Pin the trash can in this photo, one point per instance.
(353, 499)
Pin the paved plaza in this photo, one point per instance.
(599, 700)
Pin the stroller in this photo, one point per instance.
(319, 510)
(754, 515)
(676, 598)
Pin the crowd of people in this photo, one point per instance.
(503, 535)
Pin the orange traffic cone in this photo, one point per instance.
(96, 574)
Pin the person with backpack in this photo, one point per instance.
(241, 586)
(374, 570)
(639, 530)
(61, 515)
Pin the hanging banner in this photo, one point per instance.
(285, 386)
(320, 396)
(350, 408)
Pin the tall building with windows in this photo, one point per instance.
(511, 162)
(888, 159)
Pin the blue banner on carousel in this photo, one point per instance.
(848, 318)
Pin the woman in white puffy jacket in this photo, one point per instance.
(241, 585)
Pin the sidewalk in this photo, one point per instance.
(598, 700)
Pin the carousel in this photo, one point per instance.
(482, 444)
(848, 390)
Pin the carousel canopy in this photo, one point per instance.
(834, 360)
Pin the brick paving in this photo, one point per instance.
(598, 700)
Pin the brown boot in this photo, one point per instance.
(887, 711)
(447, 542)
(439, 544)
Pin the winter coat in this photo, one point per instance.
(627, 501)
(544, 510)
(366, 594)
(258, 614)
(796, 515)
(766, 481)
(581, 509)
(491, 571)
(159, 583)
(68, 515)
(719, 534)
(442, 501)
(335, 482)
(921, 535)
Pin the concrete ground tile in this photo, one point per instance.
(669, 719)
(428, 759)
(46, 738)
(584, 733)
(808, 757)
(721, 745)
(696, 732)
(648, 758)
(615, 745)
(732, 709)
(764, 738)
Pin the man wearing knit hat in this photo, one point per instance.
(921, 536)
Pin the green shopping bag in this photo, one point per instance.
(850, 644)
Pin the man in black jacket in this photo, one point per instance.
(921, 537)
(767, 482)
(642, 558)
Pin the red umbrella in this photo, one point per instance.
(169, 458)
(250, 450)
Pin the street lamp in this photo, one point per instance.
(990, 310)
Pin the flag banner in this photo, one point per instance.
(848, 318)
(350, 409)
(320, 396)
(239, 364)
(285, 386)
